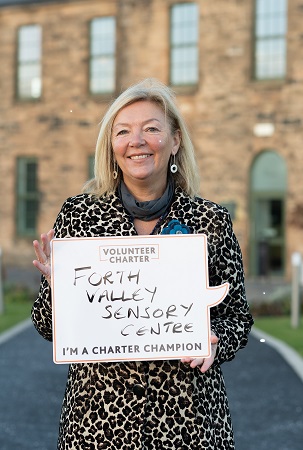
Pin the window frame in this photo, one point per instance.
(270, 38)
(110, 57)
(22, 63)
(188, 82)
(23, 196)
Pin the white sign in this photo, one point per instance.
(131, 298)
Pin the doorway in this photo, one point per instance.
(268, 193)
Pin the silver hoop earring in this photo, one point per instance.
(174, 167)
(115, 171)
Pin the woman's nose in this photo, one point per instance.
(136, 139)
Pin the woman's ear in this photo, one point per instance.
(177, 142)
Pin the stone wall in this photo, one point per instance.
(61, 128)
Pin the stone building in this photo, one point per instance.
(237, 69)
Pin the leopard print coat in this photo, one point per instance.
(153, 404)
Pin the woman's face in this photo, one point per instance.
(142, 143)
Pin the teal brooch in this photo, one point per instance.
(175, 227)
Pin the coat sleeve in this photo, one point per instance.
(42, 308)
(231, 320)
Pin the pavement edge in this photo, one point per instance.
(289, 354)
(12, 332)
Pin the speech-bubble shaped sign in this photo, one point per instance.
(132, 298)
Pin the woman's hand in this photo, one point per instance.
(43, 251)
(205, 363)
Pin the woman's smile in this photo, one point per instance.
(136, 157)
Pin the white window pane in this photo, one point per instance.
(184, 23)
(282, 6)
(102, 49)
(29, 53)
(280, 25)
(103, 36)
(271, 59)
(29, 61)
(177, 13)
(184, 43)
(261, 27)
(29, 81)
(29, 43)
(30, 33)
(186, 34)
(270, 47)
(102, 75)
(261, 6)
(103, 25)
(184, 66)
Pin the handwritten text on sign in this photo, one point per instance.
(131, 298)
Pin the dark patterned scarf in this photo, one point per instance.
(151, 209)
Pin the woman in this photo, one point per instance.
(146, 183)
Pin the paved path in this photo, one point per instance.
(266, 399)
(31, 392)
(266, 396)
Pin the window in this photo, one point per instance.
(27, 196)
(184, 44)
(270, 39)
(29, 62)
(102, 55)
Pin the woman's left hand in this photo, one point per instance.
(43, 251)
(204, 363)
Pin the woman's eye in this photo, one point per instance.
(121, 132)
(152, 129)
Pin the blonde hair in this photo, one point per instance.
(187, 176)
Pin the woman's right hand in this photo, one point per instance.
(43, 251)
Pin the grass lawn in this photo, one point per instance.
(280, 328)
(17, 307)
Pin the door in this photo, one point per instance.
(267, 212)
(269, 236)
